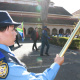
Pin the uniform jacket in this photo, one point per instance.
(45, 36)
(12, 69)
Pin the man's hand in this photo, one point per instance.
(59, 60)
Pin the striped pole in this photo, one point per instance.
(67, 44)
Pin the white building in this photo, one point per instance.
(59, 20)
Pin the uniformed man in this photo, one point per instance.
(10, 67)
(44, 41)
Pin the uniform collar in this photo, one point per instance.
(4, 47)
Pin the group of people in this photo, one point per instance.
(44, 40)
(12, 68)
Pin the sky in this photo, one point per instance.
(70, 5)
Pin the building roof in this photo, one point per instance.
(59, 11)
(77, 12)
(32, 8)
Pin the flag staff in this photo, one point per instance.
(67, 44)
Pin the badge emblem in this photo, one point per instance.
(3, 69)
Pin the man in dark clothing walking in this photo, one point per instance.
(17, 40)
(44, 40)
(35, 37)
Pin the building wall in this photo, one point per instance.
(29, 26)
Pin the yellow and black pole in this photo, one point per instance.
(64, 49)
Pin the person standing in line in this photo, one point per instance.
(11, 68)
(35, 37)
(44, 41)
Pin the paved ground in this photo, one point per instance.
(70, 70)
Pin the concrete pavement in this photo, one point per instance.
(70, 70)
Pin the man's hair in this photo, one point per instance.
(3, 28)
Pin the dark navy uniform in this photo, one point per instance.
(44, 40)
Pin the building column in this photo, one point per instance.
(64, 31)
(50, 31)
(57, 31)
